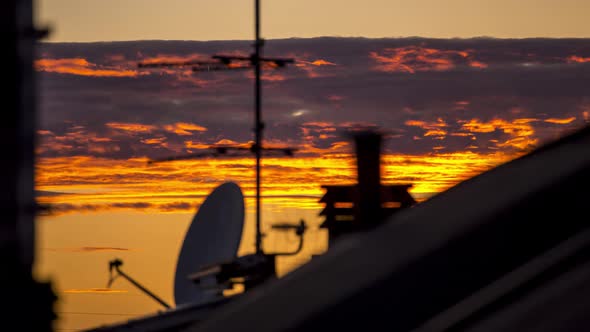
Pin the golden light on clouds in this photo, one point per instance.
(155, 141)
(520, 130)
(184, 129)
(179, 128)
(131, 127)
(81, 67)
(322, 62)
(578, 59)
(318, 63)
(439, 133)
(440, 123)
(433, 129)
(412, 59)
(313, 69)
(561, 121)
(88, 184)
(173, 58)
(478, 64)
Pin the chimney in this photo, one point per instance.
(368, 204)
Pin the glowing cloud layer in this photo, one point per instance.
(449, 109)
(80, 66)
(412, 59)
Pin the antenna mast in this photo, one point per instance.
(223, 63)
(259, 125)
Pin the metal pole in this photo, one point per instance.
(259, 126)
(143, 289)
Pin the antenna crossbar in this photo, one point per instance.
(228, 62)
(226, 151)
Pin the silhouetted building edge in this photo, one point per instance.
(426, 259)
(23, 296)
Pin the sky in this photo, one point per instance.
(449, 109)
(481, 100)
(107, 20)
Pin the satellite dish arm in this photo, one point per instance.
(115, 264)
(292, 252)
(299, 230)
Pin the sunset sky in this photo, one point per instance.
(450, 108)
(105, 20)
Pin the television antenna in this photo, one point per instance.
(227, 62)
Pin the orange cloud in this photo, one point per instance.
(561, 121)
(229, 142)
(475, 126)
(318, 130)
(432, 129)
(321, 62)
(317, 63)
(522, 143)
(153, 140)
(81, 67)
(462, 134)
(131, 127)
(76, 136)
(184, 128)
(436, 132)
(310, 67)
(578, 59)
(426, 125)
(520, 130)
(326, 136)
(412, 59)
(95, 139)
(520, 126)
(195, 145)
(478, 64)
(158, 141)
(270, 76)
(319, 124)
(100, 184)
(171, 58)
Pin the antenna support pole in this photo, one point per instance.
(255, 60)
(259, 125)
(116, 264)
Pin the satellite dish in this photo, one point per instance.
(213, 237)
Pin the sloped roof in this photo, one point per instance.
(426, 259)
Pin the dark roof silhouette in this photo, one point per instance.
(486, 254)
